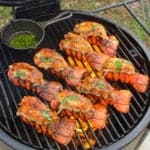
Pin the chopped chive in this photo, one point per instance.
(100, 86)
(20, 74)
(84, 90)
(71, 97)
(69, 76)
(118, 65)
(46, 115)
(94, 28)
(44, 59)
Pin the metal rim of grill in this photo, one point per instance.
(121, 128)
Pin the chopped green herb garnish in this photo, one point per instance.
(69, 76)
(84, 90)
(65, 100)
(94, 28)
(118, 65)
(100, 86)
(46, 115)
(20, 74)
(44, 59)
(71, 97)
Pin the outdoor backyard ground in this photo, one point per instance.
(119, 14)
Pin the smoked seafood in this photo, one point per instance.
(84, 82)
(95, 33)
(35, 113)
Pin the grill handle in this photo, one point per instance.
(60, 17)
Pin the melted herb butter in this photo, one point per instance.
(94, 28)
(20, 74)
(84, 90)
(46, 115)
(70, 98)
(45, 59)
(69, 76)
(118, 65)
(100, 86)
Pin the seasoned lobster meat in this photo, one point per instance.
(117, 69)
(53, 62)
(89, 28)
(61, 100)
(118, 65)
(96, 34)
(97, 117)
(83, 82)
(70, 100)
(103, 90)
(76, 46)
(69, 103)
(50, 91)
(27, 76)
(23, 71)
(33, 112)
(76, 105)
(124, 71)
(96, 60)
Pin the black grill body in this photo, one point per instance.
(121, 128)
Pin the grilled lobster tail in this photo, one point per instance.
(85, 85)
(107, 45)
(96, 34)
(67, 101)
(29, 77)
(100, 88)
(33, 112)
(120, 100)
(137, 81)
(98, 116)
(53, 62)
(119, 69)
(75, 46)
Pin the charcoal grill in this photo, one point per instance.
(121, 128)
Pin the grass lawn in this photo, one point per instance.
(118, 14)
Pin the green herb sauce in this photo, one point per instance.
(23, 40)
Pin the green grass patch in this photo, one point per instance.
(5, 15)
